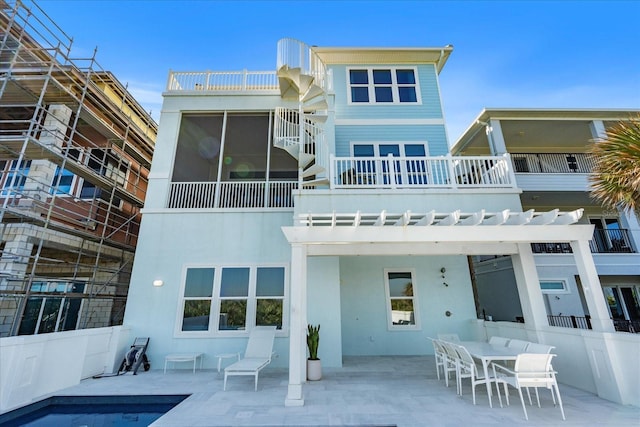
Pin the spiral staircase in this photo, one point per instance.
(303, 77)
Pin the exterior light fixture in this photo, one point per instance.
(157, 283)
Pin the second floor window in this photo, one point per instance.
(383, 86)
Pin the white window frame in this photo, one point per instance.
(416, 310)
(394, 85)
(214, 313)
(400, 144)
(564, 290)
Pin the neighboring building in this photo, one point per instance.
(324, 192)
(75, 152)
(548, 148)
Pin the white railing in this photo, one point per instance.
(222, 81)
(287, 134)
(230, 194)
(422, 172)
(296, 54)
(553, 162)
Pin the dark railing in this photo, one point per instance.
(551, 248)
(575, 322)
(603, 241)
(552, 162)
(632, 326)
(611, 241)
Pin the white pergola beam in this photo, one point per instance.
(453, 233)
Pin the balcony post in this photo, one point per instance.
(593, 295)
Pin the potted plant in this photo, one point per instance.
(314, 368)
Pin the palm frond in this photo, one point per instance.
(615, 181)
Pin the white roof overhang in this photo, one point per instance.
(432, 233)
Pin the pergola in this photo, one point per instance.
(431, 233)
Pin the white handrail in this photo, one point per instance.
(222, 81)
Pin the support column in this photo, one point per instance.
(593, 295)
(524, 267)
(298, 326)
(496, 139)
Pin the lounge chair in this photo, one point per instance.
(256, 357)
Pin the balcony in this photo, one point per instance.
(552, 162)
(235, 81)
(603, 242)
(234, 195)
(421, 172)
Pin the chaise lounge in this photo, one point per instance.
(257, 356)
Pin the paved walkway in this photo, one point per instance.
(367, 391)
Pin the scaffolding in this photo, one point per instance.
(75, 153)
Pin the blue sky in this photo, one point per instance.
(507, 54)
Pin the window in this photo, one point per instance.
(20, 173)
(227, 299)
(553, 286)
(105, 163)
(401, 300)
(44, 314)
(383, 86)
(413, 170)
(63, 180)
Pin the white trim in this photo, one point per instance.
(414, 299)
(401, 145)
(394, 85)
(382, 122)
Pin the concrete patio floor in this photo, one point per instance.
(367, 391)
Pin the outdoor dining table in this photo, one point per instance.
(487, 353)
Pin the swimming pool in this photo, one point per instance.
(80, 411)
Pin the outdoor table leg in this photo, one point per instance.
(485, 367)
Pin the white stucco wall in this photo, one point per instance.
(32, 366)
(168, 243)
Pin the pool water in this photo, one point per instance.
(92, 411)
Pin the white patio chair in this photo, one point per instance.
(468, 368)
(535, 347)
(499, 341)
(451, 362)
(440, 356)
(257, 355)
(518, 344)
(449, 337)
(531, 370)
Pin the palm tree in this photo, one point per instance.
(615, 181)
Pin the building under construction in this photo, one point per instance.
(75, 153)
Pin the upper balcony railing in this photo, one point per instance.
(603, 242)
(236, 81)
(552, 162)
(234, 195)
(422, 172)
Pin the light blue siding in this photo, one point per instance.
(435, 135)
(429, 109)
(364, 305)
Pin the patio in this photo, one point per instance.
(366, 391)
